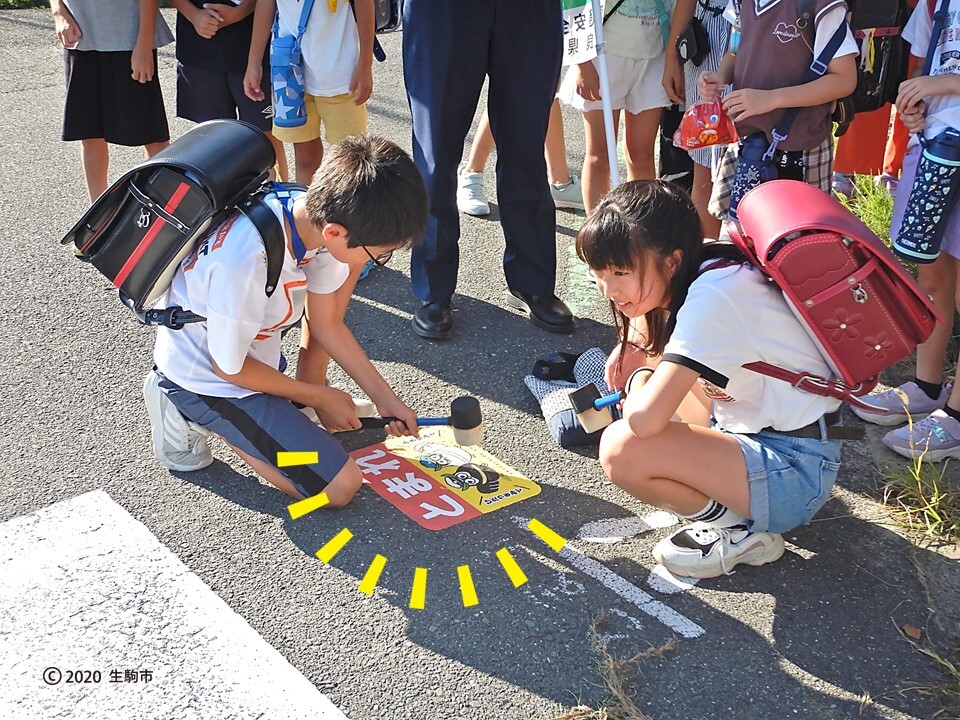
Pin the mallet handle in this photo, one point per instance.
(379, 422)
(608, 400)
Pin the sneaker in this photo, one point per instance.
(914, 403)
(936, 437)
(843, 185)
(568, 195)
(703, 551)
(178, 443)
(471, 198)
(888, 182)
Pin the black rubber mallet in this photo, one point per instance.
(592, 409)
(465, 419)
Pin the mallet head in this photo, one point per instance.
(466, 420)
(590, 418)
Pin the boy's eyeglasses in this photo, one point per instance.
(378, 260)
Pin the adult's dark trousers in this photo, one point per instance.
(449, 46)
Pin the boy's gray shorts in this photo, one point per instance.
(263, 425)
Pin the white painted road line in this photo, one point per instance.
(86, 587)
(631, 593)
(664, 581)
(611, 530)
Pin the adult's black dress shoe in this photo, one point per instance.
(546, 311)
(434, 320)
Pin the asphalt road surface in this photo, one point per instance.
(168, 573)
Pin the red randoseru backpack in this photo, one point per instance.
(857, 302)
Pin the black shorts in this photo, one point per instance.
(213, 95)
(104, 101)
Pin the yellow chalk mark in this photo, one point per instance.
(288, 459)
(302, 507)
(467, 590)
(551, 538)
(369, 581)
(418, 593)
(514, 572)
(334, 545)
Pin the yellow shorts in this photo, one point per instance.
(340, 118)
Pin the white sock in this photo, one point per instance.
(717, 515)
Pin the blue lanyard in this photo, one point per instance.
(285, 196)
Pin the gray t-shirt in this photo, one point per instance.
(112, 25)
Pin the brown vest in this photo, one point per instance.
(774, 53)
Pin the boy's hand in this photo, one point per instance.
(673, 80)
(337, 410)
(742, 104)
(251, 82)
(141, 63)
(914, 90)
(361, 84)
(66, 27)
(206, 21)
(708, 86)
(588, 82)
(914, 118)
(229, 14)
(407, 418)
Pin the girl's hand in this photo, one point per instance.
(206, 22)
(361, 85)
(742, 104)
(673, 80)
(141, 63)
(66, 27)
(633, 358)
(251, 82)
(915, 117)
(708, 86)
(914, 90)
(229, 14)
(337, 410)
(588, 82)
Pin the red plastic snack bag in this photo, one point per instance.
(705, 124)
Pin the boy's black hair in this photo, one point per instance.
(633, 220)
(371, 187)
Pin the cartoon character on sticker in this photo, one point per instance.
(434, 456)
(484, 479)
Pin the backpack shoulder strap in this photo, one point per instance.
(271, 235)
(939, 16)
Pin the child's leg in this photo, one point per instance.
(640, 136)
(95, 158)
(939, 280)
(307, 145)
(596, 167)
(282, 170)
(307, 157)
(555, 148)
(481, 148)
(702, 189)
(152, 149)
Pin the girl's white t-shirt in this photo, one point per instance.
(733, 316)
(943, 111)
(224, 280)
(633, 29)
(330, 45)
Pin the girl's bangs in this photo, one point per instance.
(605, 240)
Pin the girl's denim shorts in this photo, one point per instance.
(790, 477)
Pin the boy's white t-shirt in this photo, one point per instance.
(633, 29)
(733, 316)
(330, 45)
(223, 280)
(826, 26)
(943, 111)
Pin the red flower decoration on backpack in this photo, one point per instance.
(877, 346)
(842, 324)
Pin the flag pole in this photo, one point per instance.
(605, 95)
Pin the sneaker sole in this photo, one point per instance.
(569, 206)
(932, 456)
(772, 553)
(481, 213)
(886, 420)
(518, 304)
(155, 413)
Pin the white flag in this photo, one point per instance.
(579, 33)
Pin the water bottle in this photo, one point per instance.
(931, 200)
(755, 165)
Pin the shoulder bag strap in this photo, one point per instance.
(378, 51)
(609, 13)
(939, 17)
